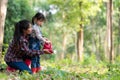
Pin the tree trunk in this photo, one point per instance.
(109, 31)
(3, 9)
(97, 45)
(64, 45)
(80, 43)
(118, 51)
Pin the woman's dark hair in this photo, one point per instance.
(19, 27)
(38, 16)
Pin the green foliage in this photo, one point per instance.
(17, 10)
(76, 12)
(3, 76)
(5, 47)
(90, 60)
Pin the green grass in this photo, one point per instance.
(70, 70)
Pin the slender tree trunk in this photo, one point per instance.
(80, 44)
(3, 9)
(105, 47)
(64, 45)
(97, 45)
(73, 56)
(80, 38)
(119, 33)
(94, 48)
(109, 31)
(93, 45)
(64, 38)
(95, 41)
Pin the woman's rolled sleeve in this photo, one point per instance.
(25, 49)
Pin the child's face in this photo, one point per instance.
(39, 23)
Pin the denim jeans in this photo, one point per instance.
(34, 44)
(19, 66)
(35, 62)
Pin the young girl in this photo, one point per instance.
(19, 47)
(37, 40)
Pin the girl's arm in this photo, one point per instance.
(38, 34)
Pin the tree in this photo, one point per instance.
(94, 33)
(80, 37)
(119, 33)
(109, 31)
(3, 9)
(77, 13)
(116, 29)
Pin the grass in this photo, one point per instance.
(69, 70)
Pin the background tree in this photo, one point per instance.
(109, 31)
(76, 16)
(3, 9)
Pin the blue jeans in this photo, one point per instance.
(34, 44)
(20, 66)
(35, 62)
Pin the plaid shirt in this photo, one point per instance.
(16, 53)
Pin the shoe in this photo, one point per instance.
(34, 70)
(38, 69)
(10, 69)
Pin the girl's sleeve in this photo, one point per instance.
(38, 34)
(26, 51)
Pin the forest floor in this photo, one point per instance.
(69, 70)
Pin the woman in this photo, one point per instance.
(18, 48)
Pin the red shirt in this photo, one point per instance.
(16, 53)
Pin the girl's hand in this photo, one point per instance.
(48, 41)
(45, 38)
(46, 51)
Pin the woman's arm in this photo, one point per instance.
(26, 51)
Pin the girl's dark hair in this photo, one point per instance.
(38, 16)
(19, 27)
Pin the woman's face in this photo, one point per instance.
(29, 30)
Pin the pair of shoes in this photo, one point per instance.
(48, 46)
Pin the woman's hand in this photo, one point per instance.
(46, 40)
(46, 51)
